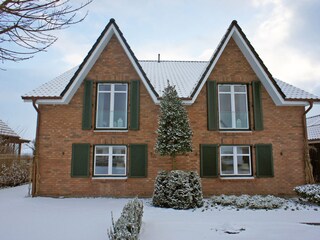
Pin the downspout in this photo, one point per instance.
(36, 174)
(308, 165)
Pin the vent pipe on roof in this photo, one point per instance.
(158, 57)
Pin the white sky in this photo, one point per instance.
(285, 33)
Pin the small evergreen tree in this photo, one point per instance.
(174, 132)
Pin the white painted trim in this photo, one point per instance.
(236, 178)
(109, 178)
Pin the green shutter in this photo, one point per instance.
(212, 104)
(257, 106)
(80, 160)
(138, 160)
(87, 105)
(264, 160)
(208, 160)
(134, 105)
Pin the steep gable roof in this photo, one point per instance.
(81, 72)
(188, 76)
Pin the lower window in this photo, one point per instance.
(110, 160)
(235, 161)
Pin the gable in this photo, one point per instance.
(189, 77)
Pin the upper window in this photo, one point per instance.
(235, 160)
(233, 107)
(110, 160)
(112, 106)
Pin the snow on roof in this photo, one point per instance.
(5, 130)
(292, 92)
(185, 75)
(313, 126)
(55, 87)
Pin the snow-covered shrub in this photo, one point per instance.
(127, 227)
(246, 201)
(177, 189)
(13, 175)
(310, 191)
(265, 202)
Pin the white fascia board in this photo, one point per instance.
(84, 71)
(211, 68)
(134, 64)
(262, 75)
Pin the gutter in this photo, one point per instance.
(35, 172)
(308, 166)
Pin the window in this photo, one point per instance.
(233, 107)
(110, 160)
(112, 106)
(235, 160)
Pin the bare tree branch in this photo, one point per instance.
(27, 26)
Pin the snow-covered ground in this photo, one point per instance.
(41, 218)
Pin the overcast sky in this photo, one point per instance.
(285, 33)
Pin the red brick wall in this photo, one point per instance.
(60, 127)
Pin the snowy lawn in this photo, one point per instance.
(41, 218)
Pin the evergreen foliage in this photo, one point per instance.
(127, 227)
(310, 192)
(174, 132)
(177, 189)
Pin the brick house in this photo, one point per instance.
(97, 122)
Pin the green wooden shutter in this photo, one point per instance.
(138, 160)
(134, 105)
(80, 160)
(212, 104)
(264, 160)
(257, 106)
(87, 105)
(208, 160)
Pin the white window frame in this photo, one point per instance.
(112, 97)
(233, 105)
(235, 160)
(110, 155)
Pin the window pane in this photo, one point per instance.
(241, 110)
(242, 150)
(102, 163)
(104, 87)
(103, 112)
(227, 165)
(118, 165)
(227, 150)
(102, 150)
(224, 88)
(239, 88)
(120, 87)
(119, 150)
(225, 110)
(120, 110)
(243, 165)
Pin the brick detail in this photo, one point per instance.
(60, 126)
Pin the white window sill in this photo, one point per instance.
(235, 178)
(110, 178)
(236, 131)
(126, 130)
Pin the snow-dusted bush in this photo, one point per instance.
(127, 227)
(310, 191)
(246, 201)
(177, 189)
(13, 175)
